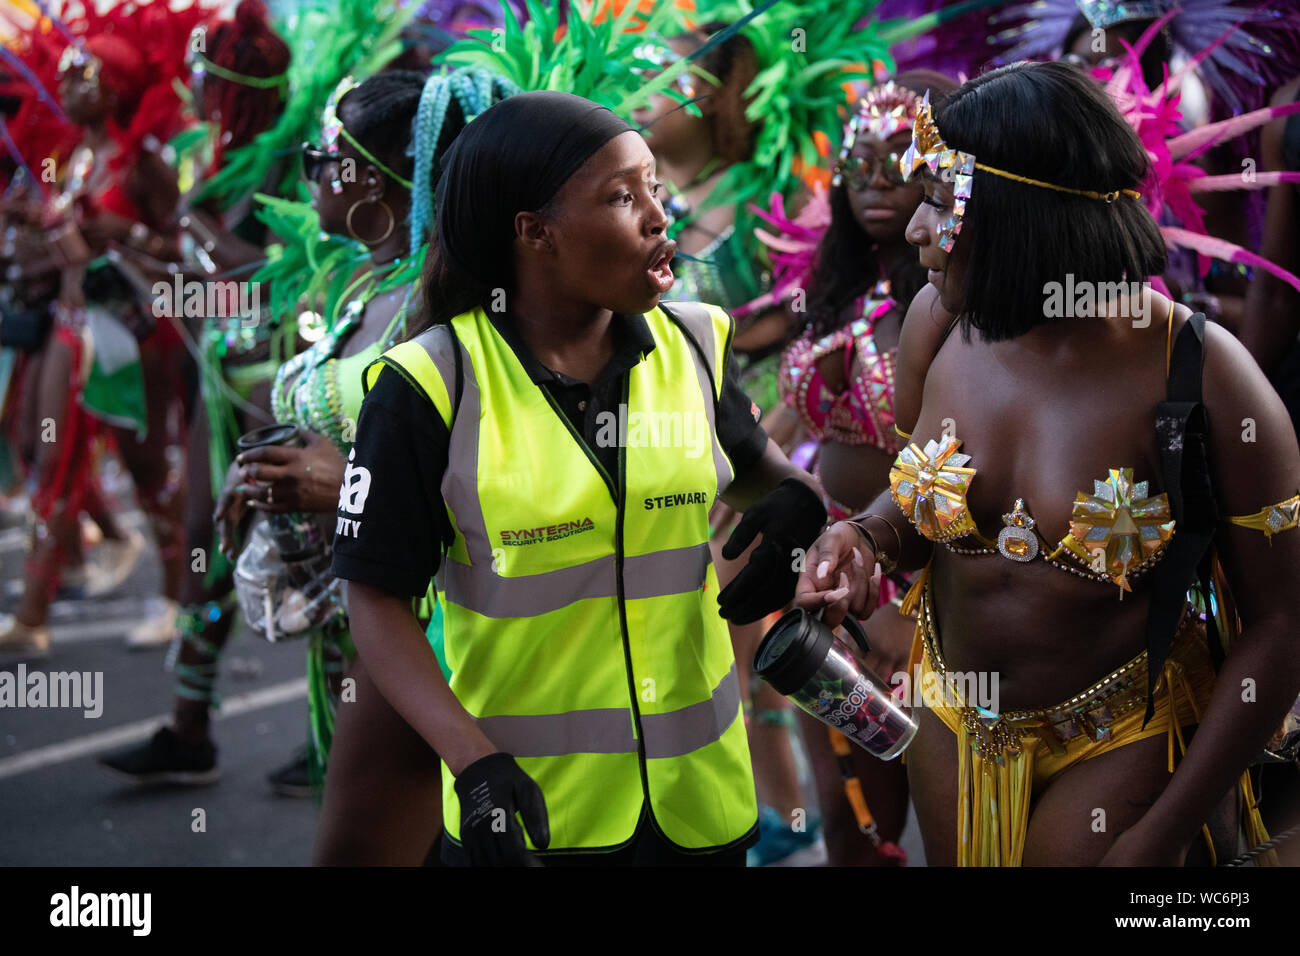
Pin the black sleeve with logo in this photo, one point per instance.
(739, 433)
(391, 524)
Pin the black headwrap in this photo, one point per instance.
(512, 158)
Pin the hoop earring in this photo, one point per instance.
(392, 223)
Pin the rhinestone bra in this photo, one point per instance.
(1116, 533)
(861, 414)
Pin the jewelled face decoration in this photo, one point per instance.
(884, 111)
(663, 57)
(951, 165)
(332, 127)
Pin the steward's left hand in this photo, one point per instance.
(281, 479)
(789, 518)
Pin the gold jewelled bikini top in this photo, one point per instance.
(1116, 532)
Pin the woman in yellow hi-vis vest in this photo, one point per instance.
(550, 446)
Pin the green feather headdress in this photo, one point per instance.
(805, 52)
(328, 39)
(604, 62)
(308, 268)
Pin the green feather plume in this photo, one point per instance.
(307, 268)
(805, 51)
(328, 40)
(598, 61)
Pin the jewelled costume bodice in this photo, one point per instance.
(863, 412)
(321, 391)
(1116, 532)
(92, 186)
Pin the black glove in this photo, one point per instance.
(789, 518)
(491, 790)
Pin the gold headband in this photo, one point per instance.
(1109, 197)
(928, 149)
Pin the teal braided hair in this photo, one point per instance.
(475, 89)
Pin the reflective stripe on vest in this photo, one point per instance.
(648, 575)
(608, 731)
(537, 635)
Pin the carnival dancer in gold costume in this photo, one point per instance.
(1031, 176)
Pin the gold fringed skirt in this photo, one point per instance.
(1005, 760)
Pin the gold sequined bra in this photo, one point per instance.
(1116, 533)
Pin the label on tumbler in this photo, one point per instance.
(847, 712)
(803, 659)
(856, 705)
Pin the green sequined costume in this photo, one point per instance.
(319, 390)
(328, 39)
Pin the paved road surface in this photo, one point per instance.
(61, 808)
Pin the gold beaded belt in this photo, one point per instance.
(1089, 713)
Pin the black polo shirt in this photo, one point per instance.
(396, 543)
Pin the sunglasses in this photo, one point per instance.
(314, 160)
(858, 171)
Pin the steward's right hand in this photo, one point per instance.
(492, 790)
(839, 575)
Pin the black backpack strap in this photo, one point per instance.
(1182, 435)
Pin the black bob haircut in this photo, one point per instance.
(1049, 122)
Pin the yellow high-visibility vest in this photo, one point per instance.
(582, 628)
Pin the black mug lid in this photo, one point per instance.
(792, 651)
(278, 434)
